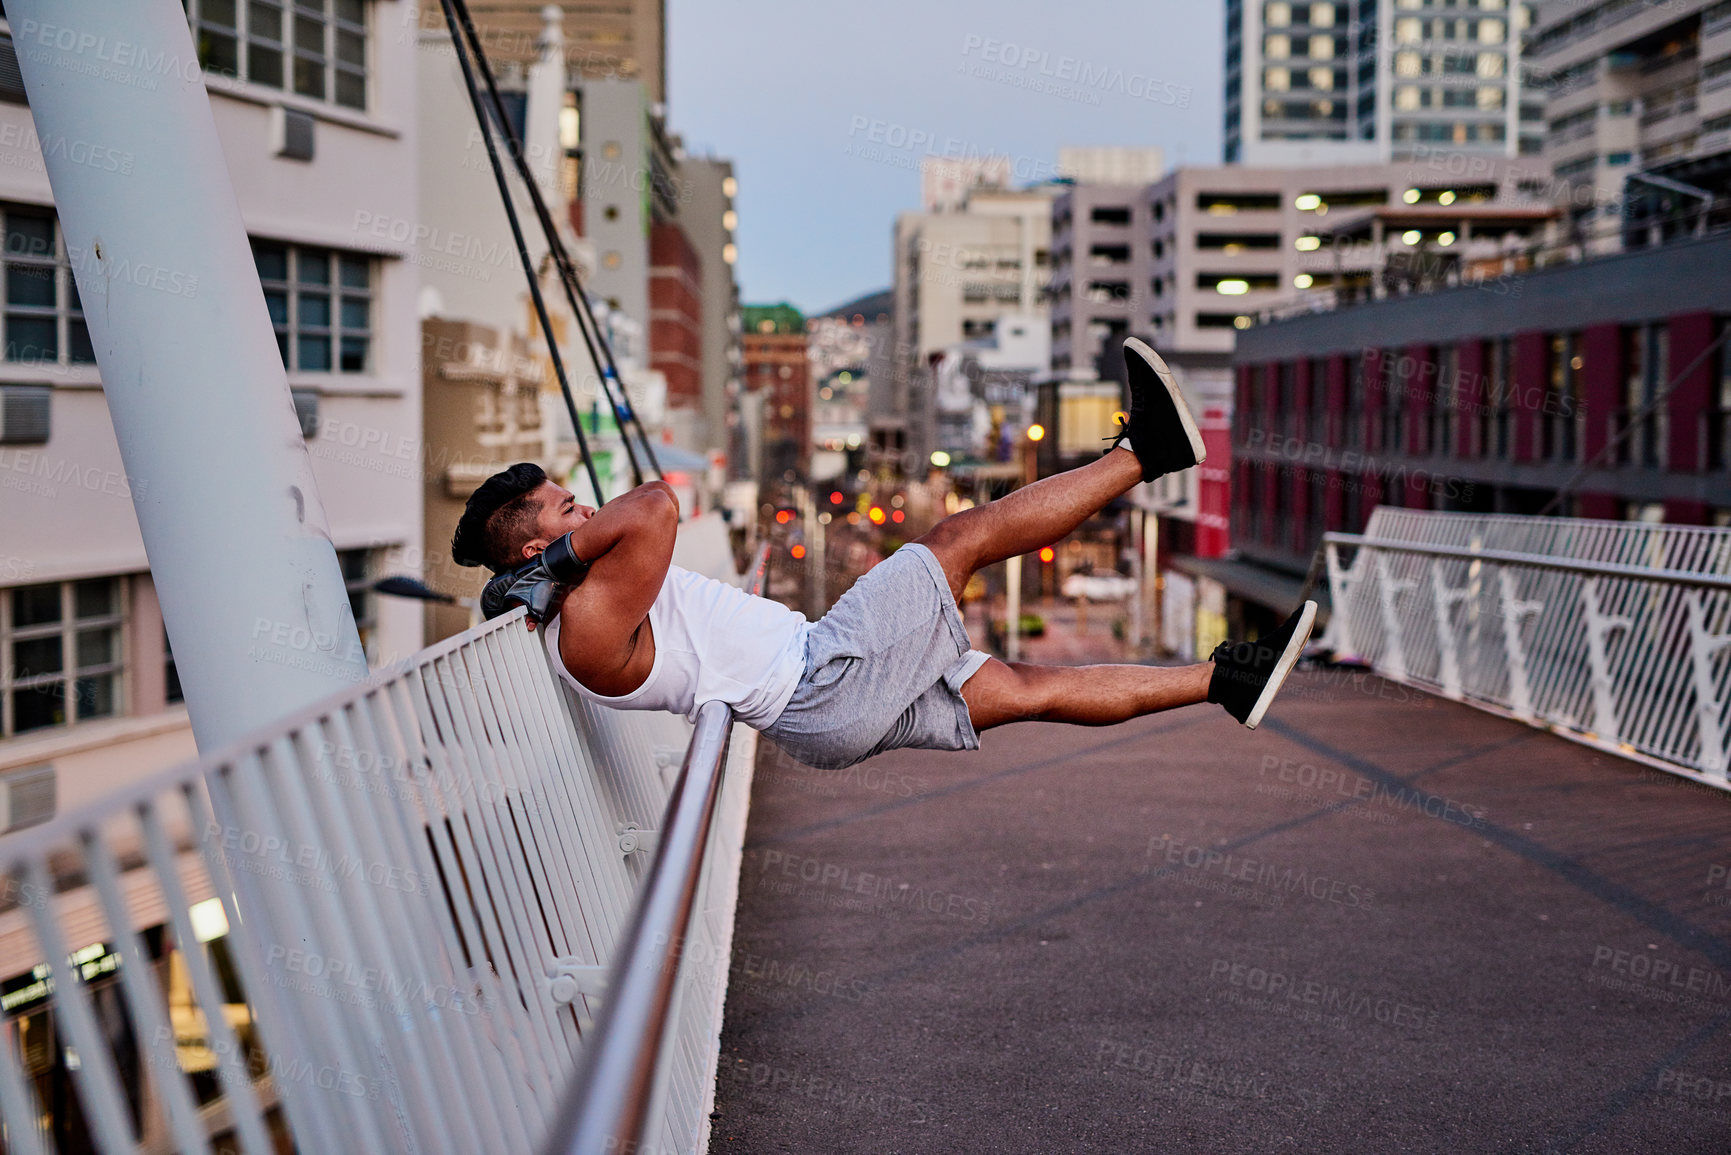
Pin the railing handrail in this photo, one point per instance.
(610, 1099)
(20, 844)
(1546, 561)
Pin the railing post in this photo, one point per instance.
(1514, 610)
(1702, 647)
(1600, 626)
(1448, 649)
(1340, 582)
(1387, 589)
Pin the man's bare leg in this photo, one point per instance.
(1030, 518)
(1002, 692)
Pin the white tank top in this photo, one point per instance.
(713, 642)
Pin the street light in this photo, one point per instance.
(1036, 432)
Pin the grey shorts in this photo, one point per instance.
(883, 670)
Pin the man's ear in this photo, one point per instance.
(533, 547)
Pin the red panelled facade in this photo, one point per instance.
(676, 314)
(1493, 424)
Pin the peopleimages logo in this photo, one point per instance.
(1087, 76)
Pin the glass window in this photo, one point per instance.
(316, 47)
(320, 303)
(43, 319)
(63, 648)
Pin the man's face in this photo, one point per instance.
(559, 514)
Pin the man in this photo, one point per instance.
(889, 666)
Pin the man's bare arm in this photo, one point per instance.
(628, 545)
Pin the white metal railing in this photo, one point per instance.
(381, 925)
(1616, 634)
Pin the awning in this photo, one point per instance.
(1272, 588)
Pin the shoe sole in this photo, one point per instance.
(1294, 647)
(1164, 375)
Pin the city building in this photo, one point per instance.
(778, 373)
(982, 391)
(1486, 398)
(622, 39)
(710, 222)
(1361, 81)
(481, 412)
(1111, 165)
(958, 272)
(1638, 113)
(625, 187)
(1102, 256)
(662, 225)
(1188, 262)
(89, 696)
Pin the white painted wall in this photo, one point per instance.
(66, 508)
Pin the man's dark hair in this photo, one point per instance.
(499, 517)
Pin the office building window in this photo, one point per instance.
(1317, 422)
(321, 303)
(313, 48)
(1442, 439)
(1559, 422)
(43, 320)
(1646, 365)
(62, 648)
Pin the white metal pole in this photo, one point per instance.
(236, 536)
(1013, 609)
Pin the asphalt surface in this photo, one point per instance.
(1381, 923)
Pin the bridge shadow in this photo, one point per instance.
(1382, 922)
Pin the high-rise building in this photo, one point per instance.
(1358, 81)
(708, 190)
(1102, 270)
(1639, 103)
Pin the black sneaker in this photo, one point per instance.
(1247, 675)
(1162, 433)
